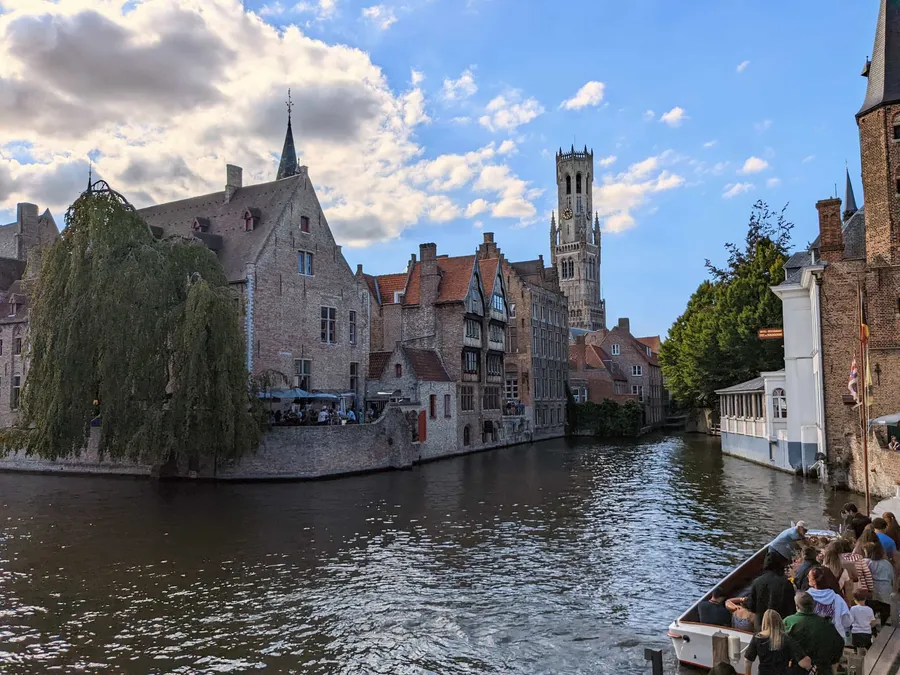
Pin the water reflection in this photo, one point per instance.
(556, 557)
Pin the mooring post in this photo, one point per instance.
(720, 648)
(654, 656)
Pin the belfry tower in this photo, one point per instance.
(575, 241)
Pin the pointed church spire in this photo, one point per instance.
(288, 165)
(884, 69)
(849, 200)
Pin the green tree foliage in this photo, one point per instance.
(607, 419)
(147, 327)
(714, 344)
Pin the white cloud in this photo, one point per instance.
(478, 224)
(617, 197)
(591, 94)
(163, 95)
(461, 120)
(477, 207)
(710, 144)
(380, 15)
(323, 9)
(417, 77)
(514, 193)
(508, 111)
(607, 161)
(507, 147)
(773, 182)
(763, 127)
(734, 189)
(461, 88)
(649, 115)
(674, 117)
(742, 66)
(272, 9)
(808, 159)
(754, 165)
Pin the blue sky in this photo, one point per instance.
(763, 93)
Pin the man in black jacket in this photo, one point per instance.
(853, 519)
(771, 590)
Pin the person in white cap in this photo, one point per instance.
(789, 540)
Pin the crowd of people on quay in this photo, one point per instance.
(815, 596)
(309, 414)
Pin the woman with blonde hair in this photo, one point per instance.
(776, 650)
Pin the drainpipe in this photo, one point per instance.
(251, 287)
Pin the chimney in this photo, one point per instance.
(429, 274)
(233, 180)
(625, 325)
(831, 236)
(359, 268)
(26, 215)
(488, 249)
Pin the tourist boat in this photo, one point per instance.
(693, 641)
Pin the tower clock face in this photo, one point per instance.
(567, 214)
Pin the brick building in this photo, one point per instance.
(861, 255)
(536, 369)
(20, 245)
(304, 310)
(456, 308)
(594, 376)
(575, 242)
(636, 361)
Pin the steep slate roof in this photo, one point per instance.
(854, 237)
(748, 387)
(426, 364)
(11, 270)
(884, 70)
(849, 199)
(377, 362)
(237, 247)
(288, 165)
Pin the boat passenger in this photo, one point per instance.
(853, 519)
(785, 543)
(741, 617)
(772, 589)
(828, 603)
(801, 575)
(883, 578)
(816, 635)
(713, 611)
(775, 649)
(893, 529)
(890, 548)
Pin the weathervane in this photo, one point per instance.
(290, 105)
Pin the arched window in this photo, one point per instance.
(578, 183)
(779, 403)
(568, 184)
(467, 435)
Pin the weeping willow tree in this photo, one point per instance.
(139, 334)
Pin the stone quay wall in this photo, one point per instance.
(295, 453)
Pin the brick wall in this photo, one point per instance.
(287, 305)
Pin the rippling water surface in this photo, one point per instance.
(552, 558)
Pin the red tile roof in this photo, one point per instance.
(488, 269)
(454, 285)
(377, 362)
(388, 285)
(653, 342)
(426, 364)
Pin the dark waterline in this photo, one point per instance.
(553, 558)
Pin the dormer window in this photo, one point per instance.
(200, 225)
(251, 219)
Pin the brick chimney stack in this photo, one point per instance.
(831, 235)
(234, 179)
(488, 249)
(624, 324)
(430, 275)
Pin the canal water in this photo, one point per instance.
(559, 557)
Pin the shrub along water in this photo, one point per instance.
(608, 419)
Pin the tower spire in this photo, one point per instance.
(288, 165)
(849, 200)
(883, 71)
